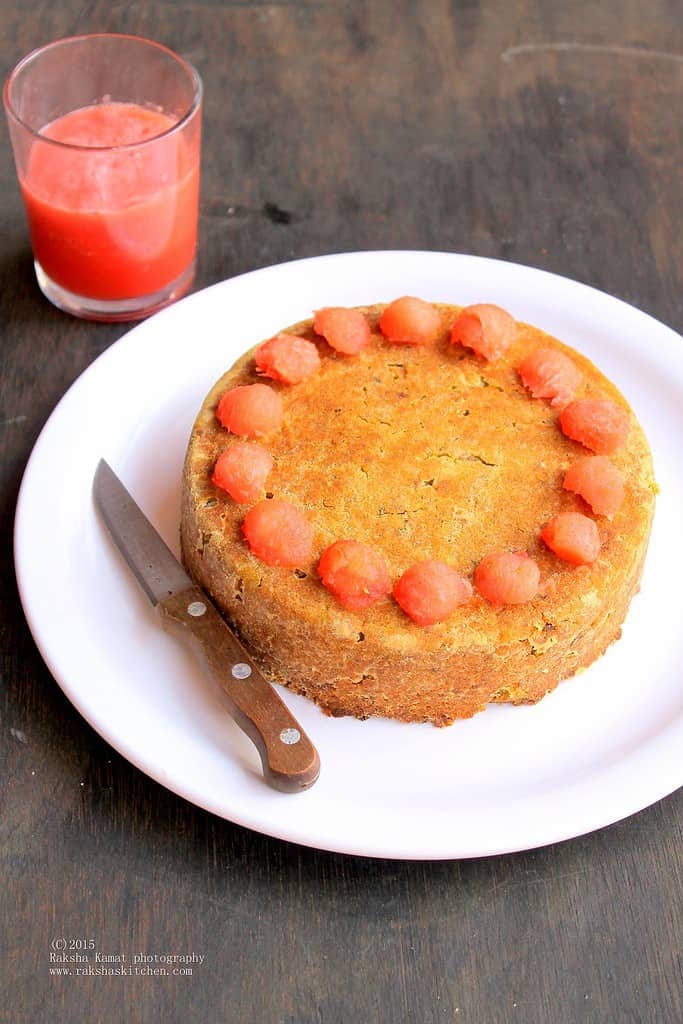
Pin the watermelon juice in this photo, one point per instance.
(112, 199)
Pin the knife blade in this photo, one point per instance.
(289, 759)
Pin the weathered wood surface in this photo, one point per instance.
(548, 134)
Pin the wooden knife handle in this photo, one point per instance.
(290, 761)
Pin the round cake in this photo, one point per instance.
(422, 452)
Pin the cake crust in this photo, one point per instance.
(423, 452)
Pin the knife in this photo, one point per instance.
(290, 761)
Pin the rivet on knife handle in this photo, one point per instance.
(290, 761)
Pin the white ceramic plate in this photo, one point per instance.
(601, 747)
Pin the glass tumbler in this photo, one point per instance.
(106, 134)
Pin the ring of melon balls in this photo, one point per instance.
(428, 591)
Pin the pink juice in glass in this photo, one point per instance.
(113, 215)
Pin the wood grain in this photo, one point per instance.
(542, 133)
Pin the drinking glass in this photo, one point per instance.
(106, 135)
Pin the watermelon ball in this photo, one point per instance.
(242, 471)
(507, 577)
(251, 410)
(410, 321)
(278, 533)
(430, 591)
(355, 573)
(345, 330)
(547, 373)
(287, 358)
(487, 329)
(596, 423)
(573, 537)
(598, 481)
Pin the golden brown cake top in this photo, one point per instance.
(423, 452)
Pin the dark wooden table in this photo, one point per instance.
(547, 134)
